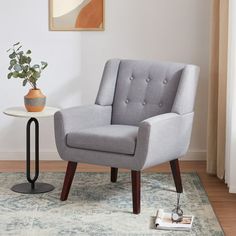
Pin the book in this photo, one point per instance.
(163, 221)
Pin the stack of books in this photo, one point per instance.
(164, 221)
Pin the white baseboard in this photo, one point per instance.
(192, 155)
(232, 189)
(195, 155)
(21, 156)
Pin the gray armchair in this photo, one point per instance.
(142, 117)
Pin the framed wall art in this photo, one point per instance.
(76, 14)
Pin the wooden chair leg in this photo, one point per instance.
(136, 177)
(114, 172)
(176, 175)
(70, 172)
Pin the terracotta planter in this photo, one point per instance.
(35, 101)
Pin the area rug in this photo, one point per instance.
(98, 207)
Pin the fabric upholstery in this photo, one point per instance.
(110, 138)
(107, 87)
(185, 96)
(78, 118)
(163, 138)
(156, 97)
(144, 89)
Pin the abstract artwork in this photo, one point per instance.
(76, 14)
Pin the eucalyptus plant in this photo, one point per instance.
(21, 67)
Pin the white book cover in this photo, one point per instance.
(163, 221)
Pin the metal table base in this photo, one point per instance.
(32, 187)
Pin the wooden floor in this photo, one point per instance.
(224, 203)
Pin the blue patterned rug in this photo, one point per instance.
(97, 207)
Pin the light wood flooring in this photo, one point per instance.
(224, 203)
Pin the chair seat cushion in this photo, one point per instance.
(110, 138)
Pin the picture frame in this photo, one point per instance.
(76, 15)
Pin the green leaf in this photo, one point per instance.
(36, 66)
(22, 75)
(21, 59)
(24, 82)
(10, 67)
(15, 74)
(18, 48)
(28, 52)
(28, 60)
(12, 55)
(44, 64)
(25, 68)
(16, 44)
(29, 73)
(36, 74)
(24, 60)
(9, 75)
(32, 70)
(13, 62)
(17, 67)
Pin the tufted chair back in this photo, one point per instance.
(137, 90)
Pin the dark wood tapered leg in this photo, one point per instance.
(136, 177)
(70, 172)
(176, 175)
(114, 172)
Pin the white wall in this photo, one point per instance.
(144, 29)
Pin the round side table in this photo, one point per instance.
(31, 187)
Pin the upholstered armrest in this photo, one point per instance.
(77, 118)
(163, 138)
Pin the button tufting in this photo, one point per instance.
(165, 81)
(160, 104)
(144, 103)
(148, 80)
(131, 78)
(127, 101)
